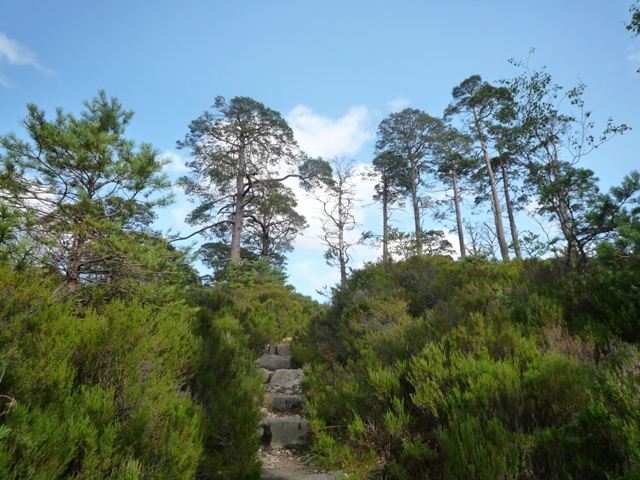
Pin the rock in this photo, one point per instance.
(322, 476)
(283, 349)
(272, 349)
(263, 432)
(288, 432)
(287, 379)
(283, 403)
(266, 375)
(274, 362)
(275, 476)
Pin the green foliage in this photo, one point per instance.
(79, 186)
(236, 151)
(403, 245)
(125, 389)
(469, 370)
(99, 393)
(14, 249)
(270, 224)
(225, 383)
(265, 309)
(634, 24)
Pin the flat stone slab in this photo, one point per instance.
(288, 379)
(280, 402)
(274, 362)
(266, 475)
(283, 349)
(287, 432)
(322, 476)
(272, 349)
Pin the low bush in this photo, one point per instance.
(475, 369)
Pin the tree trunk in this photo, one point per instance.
(75, 263)
(385, 223)
(512, 220)
(343, 260)
(456, 202)
(416, 208)
(238, 214)
(495, 200)
(559, 203)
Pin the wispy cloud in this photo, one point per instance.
(323, 136)
(14, 53)
(633, 56)
(177, 165)
(398, 103)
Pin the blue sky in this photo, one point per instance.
(334, 69)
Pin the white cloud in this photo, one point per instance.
(177, 165)
(179, 213)
(398, 103)
(633, 56)
(14, 53)
(322, 136)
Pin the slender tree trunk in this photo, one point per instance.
(74, 265)
(416, 208)
(239, 209)
(562, 211)
(512, 220)
(495, 200)
(385, 223)
(343, 260)
(456, 202)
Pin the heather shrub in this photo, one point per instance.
(97, 393)
(125, 389)
(477, 374)
(268, 310)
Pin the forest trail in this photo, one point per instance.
(284, 431)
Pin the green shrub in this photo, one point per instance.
(430, 368)
(125, 390)
(98, 394)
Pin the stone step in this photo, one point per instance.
(282, 402)
(285, 432)
(283, 349)
(322, 476)
(274, 362)
(314, 476)
(286, 381)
